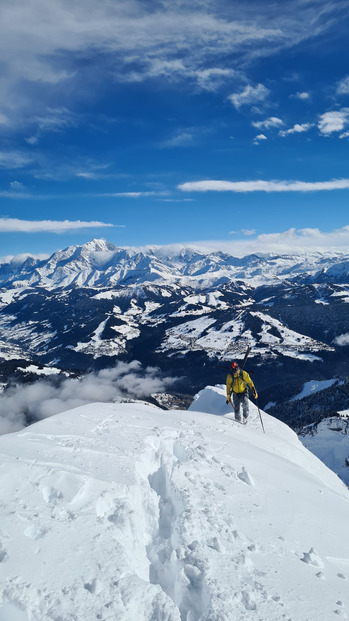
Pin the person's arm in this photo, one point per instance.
(228, 385)
(250, 383)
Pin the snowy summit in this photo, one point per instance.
(127, 512)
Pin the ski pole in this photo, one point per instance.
(260, 416)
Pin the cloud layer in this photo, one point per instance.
(11, 225)
(293, 241)
(42, 398)
(216, 185)
(206, 43)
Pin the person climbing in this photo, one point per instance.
(237, 384)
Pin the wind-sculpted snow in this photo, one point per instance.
(125, 512)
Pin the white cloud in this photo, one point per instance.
(90, 175)
(259, 138)
(19, 259)
(249, 96)
(215, 185)
(10, 160)
(343, 86)
(84, 168)
(17, 194)
(245, 232)
(342, 340)
(54, 120)
(182, 138)
(16, 185)
(129, 194)
(10, 225)
(296, 129)
(213, 78)
(175, 70)
(44, 42)
(66, 47)
(303, 96)
(292, 241)
(273, 121)
(334, 121)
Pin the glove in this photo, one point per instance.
(228, 401)
(255, 393)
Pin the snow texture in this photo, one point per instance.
(126, 512)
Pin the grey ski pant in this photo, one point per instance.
(240, 399)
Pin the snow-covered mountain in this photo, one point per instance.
(123, 511)
(189, 313)
(101, 264)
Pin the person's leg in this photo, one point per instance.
(236, 404)
(245, 407)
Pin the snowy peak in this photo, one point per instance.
(99, 245)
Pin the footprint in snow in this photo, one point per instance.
(180, 452)
(228, 471)
(34, 531)
(114, 510)
(216, 544)
(245, 476)
(312, 558)
(93, 587)
(338, 611)
(248, 600)
(51, 495)
(3, 554)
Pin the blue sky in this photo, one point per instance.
(215, 122)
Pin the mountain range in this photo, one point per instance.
(186, 311)
(101, 264)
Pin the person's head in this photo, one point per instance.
(234, 368)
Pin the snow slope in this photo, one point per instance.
(329, 441)
(126, 512)
(313, 386)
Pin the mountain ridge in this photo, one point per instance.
(100, 263)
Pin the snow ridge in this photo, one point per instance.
(124, 511)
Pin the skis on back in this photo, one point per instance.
(245, 357)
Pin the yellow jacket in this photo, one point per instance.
(238, 383)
